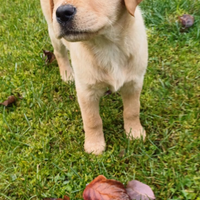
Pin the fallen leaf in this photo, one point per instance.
(186, 20)
(105, 189)
(139, 191)
(11, 99)
(66, 198)
(50, 57)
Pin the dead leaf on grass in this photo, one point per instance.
(137, 190)
(11, 99)
(66, 198)
(186, 20)
(50, 57)
(105, 189)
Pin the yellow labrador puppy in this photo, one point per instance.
(108, 49)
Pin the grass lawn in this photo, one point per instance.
(41, 136)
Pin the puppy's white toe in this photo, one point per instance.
(136, 133)
(95, 148)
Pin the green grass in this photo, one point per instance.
(41, 136)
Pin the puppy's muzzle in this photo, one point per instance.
(65, 14)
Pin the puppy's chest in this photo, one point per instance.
(113, 67)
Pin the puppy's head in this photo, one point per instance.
(77, 20)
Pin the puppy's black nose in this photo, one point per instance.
(65, 13)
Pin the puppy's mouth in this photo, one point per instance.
(72, 33)
(76, 35)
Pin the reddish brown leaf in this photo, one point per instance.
(66, 198)
(11, 99)
(186, 20)
(104, 189)
(139, 191)
(50, 57)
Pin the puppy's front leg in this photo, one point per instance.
(131, 113)
(61, 54)
(94, 137)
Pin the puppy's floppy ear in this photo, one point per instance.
(51, 3)
(131, 5)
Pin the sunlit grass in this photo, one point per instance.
(41, 136)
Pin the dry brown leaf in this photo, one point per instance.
(104, 189)
(50, 57)
(66, 198)
(186, 20)
(11, 99)
(139, 191)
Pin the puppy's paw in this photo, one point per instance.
(95, 148)
(136, 133)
